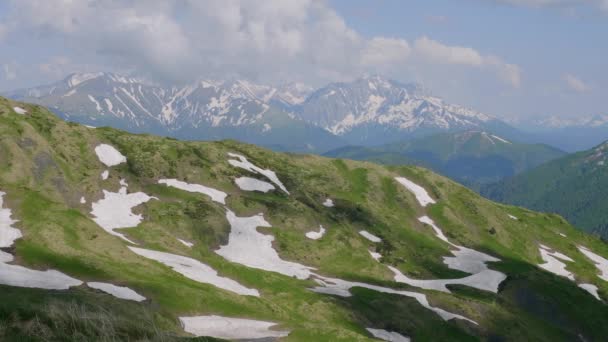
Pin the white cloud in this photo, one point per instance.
(278, 40)
(576, 83)
(437, 52)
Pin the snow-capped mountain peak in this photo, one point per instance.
(370, 109)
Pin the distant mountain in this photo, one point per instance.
(373, 110)
(293, 117)
(571, 135)
(573, 186)
(470, 157)
(205, 110)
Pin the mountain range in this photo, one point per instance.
(368, 111)
(107, 235)
(472, 158)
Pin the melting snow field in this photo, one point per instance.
(387, 335)
(114, 211)
(15, 275)
(328, 203)
(109, 155)
(247, 246)
(252, 184)
(464, 259)
(243, 163)
(553, 263)
(20, 110)
(316, 235)
(215, 195)
(339, 287)
(117, 291)
(230, 328)
(600, 262)
(371, 237)
(422, 196)
(195, 270)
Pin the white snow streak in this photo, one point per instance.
(371, 237)
(195, 270)
(243, 163)
(252, 184)
(389, 336)
(230, 328)
(215, 195)
(117, 291)
(422, 196)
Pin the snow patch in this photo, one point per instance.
(247, 246)
(328, 203)
(105, 174)
(553, 262)
(387, 335)
(600, 262)
(214, 194)
(117, 291)
(108, 155)
(316, 235)
(20, 110)
(195, 270)
(230, 328)
(243, 163)
(371, 237)
(252, 184)
(113, 211)
(421, 195)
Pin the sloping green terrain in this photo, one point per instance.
(573, 186)
(47, 167)
(471, 157)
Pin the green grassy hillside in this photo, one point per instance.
(471, 158)
(48, 165)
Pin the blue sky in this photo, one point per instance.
(509, 58)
